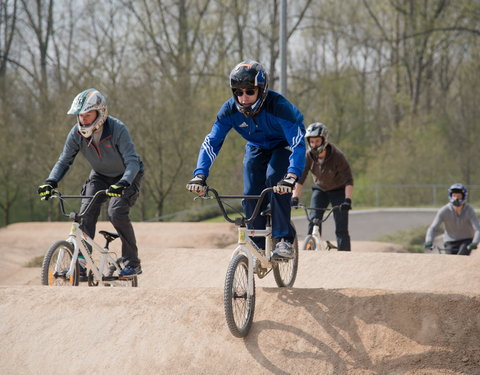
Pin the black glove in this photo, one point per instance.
(347, 205)
(45, 190)
(428, 245)
(198, 184)
(285, 186)
(294, 202)
(117, 189)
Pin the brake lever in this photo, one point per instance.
(204, 196)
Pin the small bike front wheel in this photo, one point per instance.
(309, 243)
(285, 272)
(61, 253)
(239, 305)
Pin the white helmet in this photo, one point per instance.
(86, 101)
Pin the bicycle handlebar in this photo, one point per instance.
(330, 210)
(73, 215)
(241, 220)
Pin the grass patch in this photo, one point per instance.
(34, 262)
(412, 239)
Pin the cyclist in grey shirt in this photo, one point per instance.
(462, 228)
(106, 144)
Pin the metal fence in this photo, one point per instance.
(408, 195)
(364, 196)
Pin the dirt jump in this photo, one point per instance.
(376, 310)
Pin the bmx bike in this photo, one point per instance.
(315, 240)
(248, 260)
(61, 265)
(462, 250)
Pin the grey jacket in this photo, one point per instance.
(457, 227)
(114, 156)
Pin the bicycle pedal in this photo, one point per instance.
(129, 277)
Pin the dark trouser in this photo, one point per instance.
(261, 169)
(118, 212)
(458, 247)
(321, 199)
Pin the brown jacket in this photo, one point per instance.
(334, 173)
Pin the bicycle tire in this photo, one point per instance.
(309, 243)
(238, 305)
(50, 260)
(285, 272)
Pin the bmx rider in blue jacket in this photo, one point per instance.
(274, 153)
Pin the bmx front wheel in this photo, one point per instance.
(239, 305)
(309, 243)
(61, 254)
(285, 272)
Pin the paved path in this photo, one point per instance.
(368, 225)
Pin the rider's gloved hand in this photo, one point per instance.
(285, 186)
(198, 184)
(347, 205)
(472, 246)
(294, 202)
(117, 189)
(45, 190)
(428, 245)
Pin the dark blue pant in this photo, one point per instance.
(321, 199)
(118, 212)
(458, 247)
(261, 169)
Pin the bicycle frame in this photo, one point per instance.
(79, 241)
(77, 236)
(320, 242)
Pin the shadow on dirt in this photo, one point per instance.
(337, 331)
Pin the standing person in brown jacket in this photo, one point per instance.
(332, 182)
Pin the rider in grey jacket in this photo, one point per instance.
(462, 228)
(116, 167)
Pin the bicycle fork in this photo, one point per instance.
(251, 250)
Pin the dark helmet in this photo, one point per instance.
(457, 188)
(317, 129)
(247, 75)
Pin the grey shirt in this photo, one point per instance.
(457, 226)
(113, 156)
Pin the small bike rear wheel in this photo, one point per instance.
(309, 243)
(239, 305)
(285, 272)
(60, 252)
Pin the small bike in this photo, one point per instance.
(315, 241)
(61, 265)
(247, 260)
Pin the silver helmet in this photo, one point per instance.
(317, 129)
(86, 101)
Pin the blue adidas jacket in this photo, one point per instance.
(278, 123)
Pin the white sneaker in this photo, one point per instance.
(283, 250)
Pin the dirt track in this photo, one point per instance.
(364, 312)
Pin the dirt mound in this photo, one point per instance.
(362, 312)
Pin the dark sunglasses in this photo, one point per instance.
(249, 92)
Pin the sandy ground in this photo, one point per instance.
(376, 310)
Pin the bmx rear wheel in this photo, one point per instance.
(60, 252)
(285, 272)
(238, 304)
(309, 243)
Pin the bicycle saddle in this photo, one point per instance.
(109, 236)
